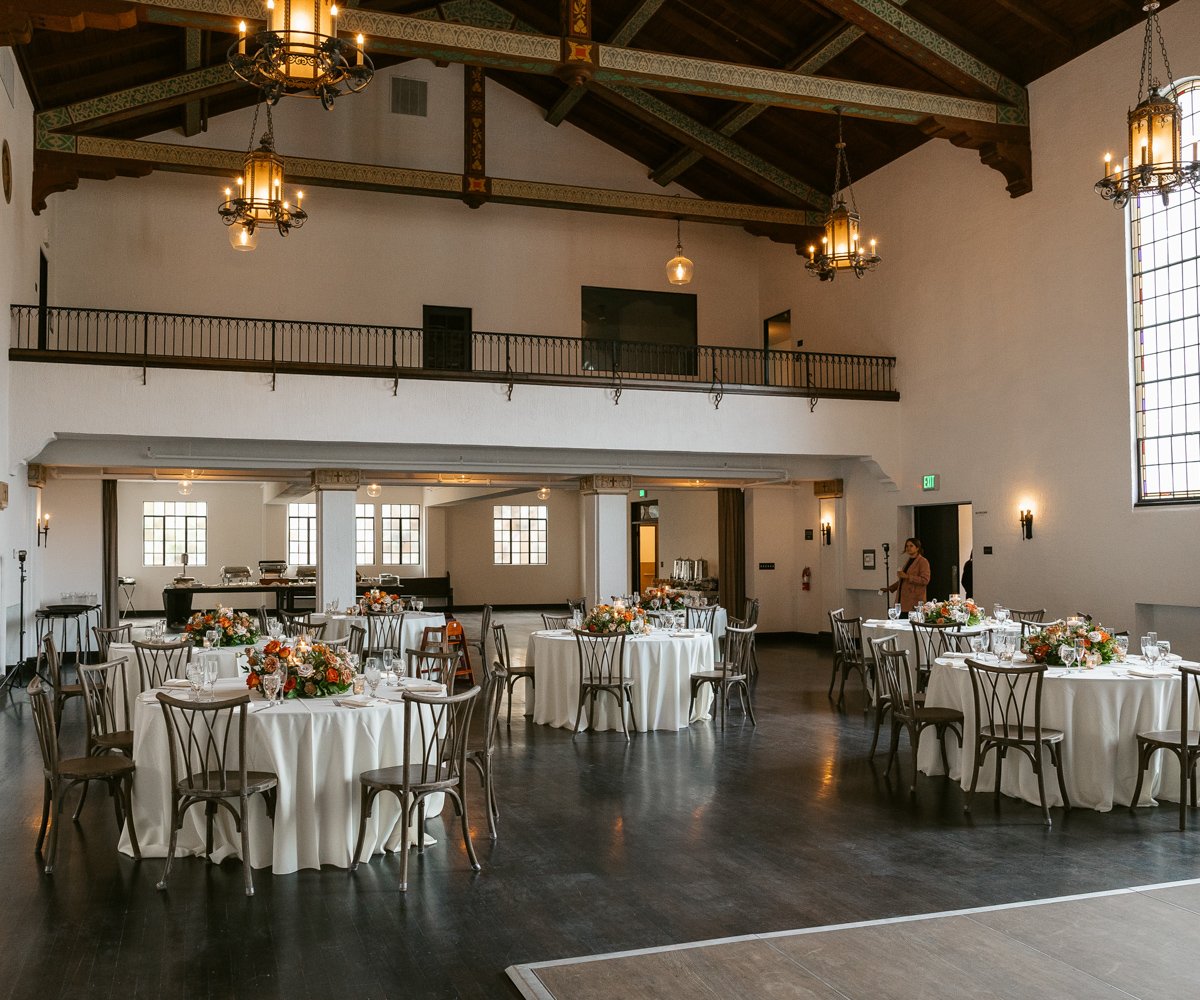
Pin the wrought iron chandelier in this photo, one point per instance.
(841, 246)
(679, 268)
(1155, 164)
(300, 55)
(259, 199)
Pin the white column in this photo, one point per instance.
(604, 507)
(335, 546)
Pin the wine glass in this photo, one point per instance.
(1151, 651)
(195, 678)
(1164, 649)
(389, 660)
(275, 628)
(1001, 613)
(352, 661)
(1122, 647)
(1081, 652)
(978, 643)
(894, 612)
(270, 685)
(372, 674)
(1066, 653)
(213, 637)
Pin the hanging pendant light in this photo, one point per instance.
(841, 245)
(300, 55)
(259, 199)
(1154, 164)
(679, 268)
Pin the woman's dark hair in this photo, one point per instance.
(917, 543)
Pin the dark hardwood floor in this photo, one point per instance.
(676, 837)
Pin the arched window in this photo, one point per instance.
(1166, 332)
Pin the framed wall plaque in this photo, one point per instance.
(868, 558)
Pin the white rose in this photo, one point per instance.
(1094, 636)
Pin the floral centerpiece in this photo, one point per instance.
(662, 599)
(237, 628)
(381, 600)
(607, 619)
(309, 671)
(955, 611)
(1043, 644)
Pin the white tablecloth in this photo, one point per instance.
(232, 659)
(659, 665)
(1100, 712)
(413, 627)
(881, 628)
(317, 749)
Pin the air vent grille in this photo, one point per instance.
(409, 96)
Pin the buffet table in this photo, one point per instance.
(659, 664)
(1100, 711)
(316, 747)
(177, 601)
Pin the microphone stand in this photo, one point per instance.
(12, 676)
(887, 578)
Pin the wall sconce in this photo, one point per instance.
(827, 531)
(1027, 522)
(43, 530)
(374, 489)
(543, 494)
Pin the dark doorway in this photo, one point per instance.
(937, 528)
(644, 543)
(447, 338)
(777, 336)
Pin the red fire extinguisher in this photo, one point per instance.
(806, 579)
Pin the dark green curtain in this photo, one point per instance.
(110, 609)
(731, 549)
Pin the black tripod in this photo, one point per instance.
(12, 676)
(887, 577)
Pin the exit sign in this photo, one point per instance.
(641, 493)
(929, 482)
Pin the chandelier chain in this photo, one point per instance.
(842, 167)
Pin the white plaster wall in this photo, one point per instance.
(1009, 319)
(478, 580)
(72, 557)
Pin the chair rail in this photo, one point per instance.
(71, 335)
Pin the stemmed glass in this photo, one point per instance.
(1150, 650)
(372, 674)
(275, 628)
(195, 678)
(1066, 653)
(213, 637)
(1001, 613)
(978, 643)
(270, 685)
(389, 660)
(1164, 649)
(1081, 652)
(1122, 647)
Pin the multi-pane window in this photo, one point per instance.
(1166, 332)
(172, 527)
(518, 536)
(364, 534)
(302, 534)
(401, 523)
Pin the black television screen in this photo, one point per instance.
(651, 332)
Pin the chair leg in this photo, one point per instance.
(579, 714)
(1056, 758)
(914, 742)
(881, 708)
(176, 822)
(979, 755)
(47, 798)
(999, 774)
(893, 746)
(512, 683)
(466, 827)
(247, 876)
(1039, 770)
(82, 800)
(1144, 755)
(1183, 789)
(53, 852)
(632, 710)
(366, 798)
(406, 812)
(127, 794)
(941, 735)
(837, 662)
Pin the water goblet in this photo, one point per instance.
(1001, 613)
(372, 675)
(195, 678)
(275, 628)
(1164, 649)
(389, 662)
(1144, 644)
(1081, 652)
(352, 661)
(213, 637)
(360, 683)
(894, 612)
(978, 643)
(1121, 647)
(1067, 655)
(1151, 652)
(270, 684)
(418, 605)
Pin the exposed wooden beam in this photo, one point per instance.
(1035, 17)
(425, 38)
(19, 18)
(903, 33)
(622, 36)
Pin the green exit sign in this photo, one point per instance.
(929, 482)
(642, 493)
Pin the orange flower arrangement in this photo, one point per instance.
(314, 671)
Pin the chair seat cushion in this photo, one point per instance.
(715, 675)
(209, 785)
(1020, 734)
(86, 768)
(935, 715)
(122, 739)
(418, 775)
(1170, 737)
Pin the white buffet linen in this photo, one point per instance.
(316, 747)
(1100, 711)
(660, 666)
(413, 627)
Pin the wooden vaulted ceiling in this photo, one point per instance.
(648, 77)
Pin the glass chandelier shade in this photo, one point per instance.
(1154, 163)
(679, 268)
(300, 55)
(841, 245)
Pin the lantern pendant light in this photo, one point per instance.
(1155, 163)
(841, 245)
(679, 268)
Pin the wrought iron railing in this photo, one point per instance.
(169, 340)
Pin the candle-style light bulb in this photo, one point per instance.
(241, 38)
(359, 40)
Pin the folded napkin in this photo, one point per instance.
(176, 682)
(1136, 671)
(417, 684)
(355, 701)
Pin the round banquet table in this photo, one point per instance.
(901, 629)
(412, 628)
(1100, 711)
(317, 748)
(660, 666)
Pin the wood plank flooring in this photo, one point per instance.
(603, 847)
(1136, 944)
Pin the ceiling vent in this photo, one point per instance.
(408, 96)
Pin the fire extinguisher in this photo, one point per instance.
(806, 579)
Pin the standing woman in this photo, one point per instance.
(914, 578)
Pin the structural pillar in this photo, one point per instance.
(337, 490)
(604, 506)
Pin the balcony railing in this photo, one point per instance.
(276, 346)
